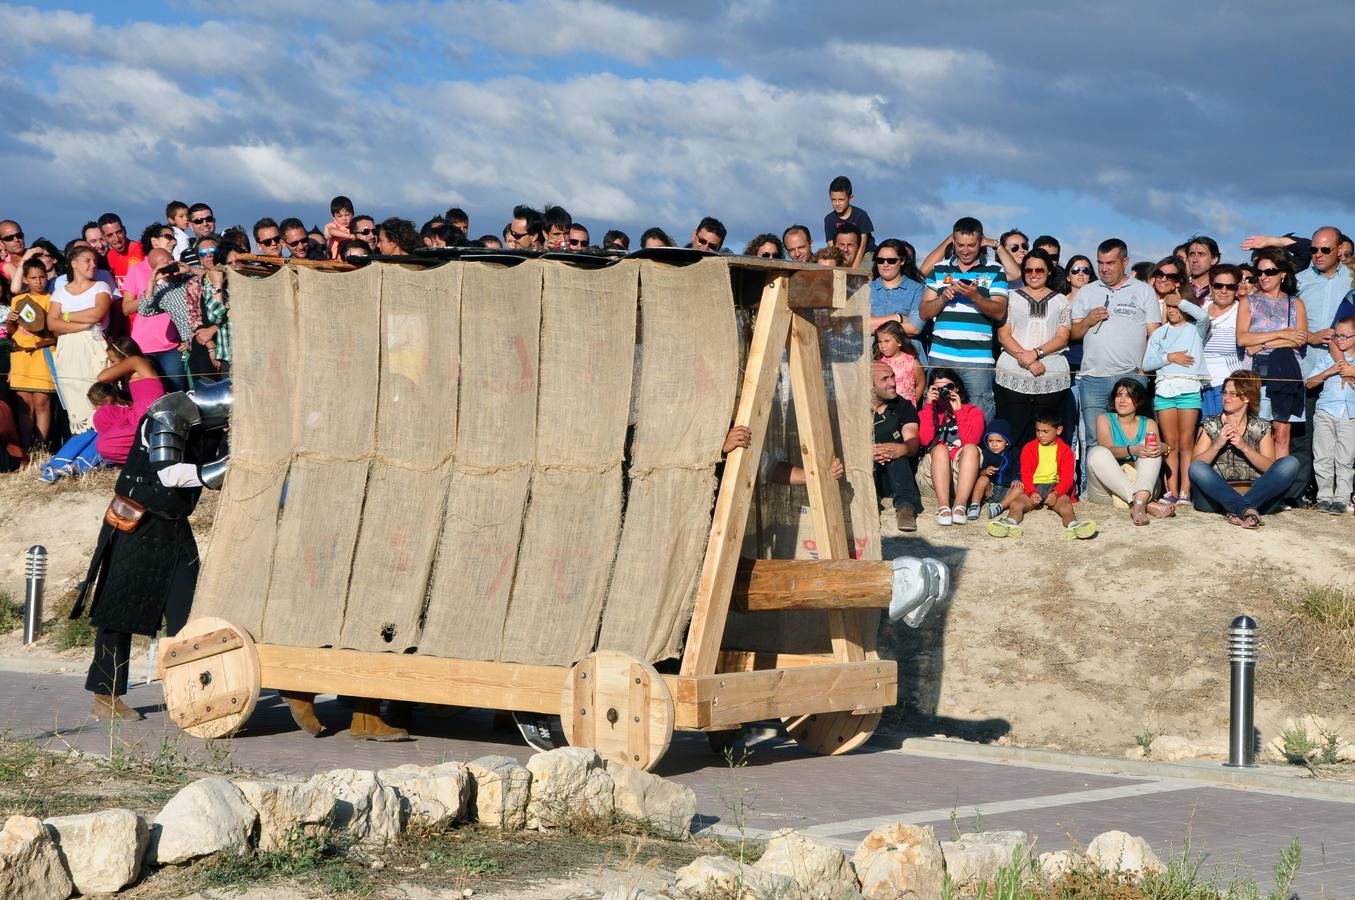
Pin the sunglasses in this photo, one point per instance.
(270, 240)
(207, 251)
(1249, 279)
(767, 255)
(1014, 247)
(1036, 270)
(1223, 285)
(1317, 250)
(517, 235)
(574, 243)
(299, 243)
(1268, 273)
(364, 231)
(709, 245)
(1079, 270)
(16, 236)
(1173, 276)
(168, 236)
(888, 260)
(204, 220)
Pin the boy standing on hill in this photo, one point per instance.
(1047, 472)
(840, 196)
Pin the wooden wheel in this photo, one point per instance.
(829, 734)
(210, 673)
(618, 706)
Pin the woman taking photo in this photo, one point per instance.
(77, 315)
(1032, 376)
(1222, 356)
(1272, 326)
(949, 431)
(1236, 470)
(1127, 434)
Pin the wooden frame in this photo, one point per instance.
(832, 701)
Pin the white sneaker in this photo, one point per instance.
(944, 516)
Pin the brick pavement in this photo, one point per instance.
(838, 799)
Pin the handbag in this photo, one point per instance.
(124, 513)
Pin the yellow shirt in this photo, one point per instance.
(1047, 468)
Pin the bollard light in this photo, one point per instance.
(36, 569)
(1242, 720)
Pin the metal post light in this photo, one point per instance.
(37, 576)
(1242, 657)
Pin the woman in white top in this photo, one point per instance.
(1222, 356)
(78, 314)
(1032, 375)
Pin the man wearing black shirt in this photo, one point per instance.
(895, 446)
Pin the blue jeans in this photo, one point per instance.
(76, 456)
(170, 364)
(1093, 395)
(896, 479)
(978, 384)
(1212, 494)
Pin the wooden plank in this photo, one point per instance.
(214, 643)
(420, 679)
(736, 487)
(738, 697)
(817, 452)
(810, 289)
(751, 660)
(757, 263)
(770, 584)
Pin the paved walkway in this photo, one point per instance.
(838, 799)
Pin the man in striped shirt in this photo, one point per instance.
(966, 295)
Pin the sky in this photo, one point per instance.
(1150, 121)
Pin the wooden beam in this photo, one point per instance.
(752, 660)
(736, 487)
(331, 265)
(817, 452)
(738, 697)
(769, 584)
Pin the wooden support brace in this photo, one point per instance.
(738, 697)
(770, 584)
(736, 487)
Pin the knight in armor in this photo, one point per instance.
(145, 565)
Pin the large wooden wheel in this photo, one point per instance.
(829, 734)
(210, 673)
(618, 706)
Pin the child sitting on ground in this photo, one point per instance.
(998, 469)
(895, 350)
(1047, 473)
(336, 230)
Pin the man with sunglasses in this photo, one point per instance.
(524, 231)
(267, 237)
(295, 238)
(12, 248)
(364, 229)
(202, 221)
(709, 235)
(578, 237)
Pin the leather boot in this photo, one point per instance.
(108, 708)
(302, 706)
(368, 724)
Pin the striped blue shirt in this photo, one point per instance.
(961, 333)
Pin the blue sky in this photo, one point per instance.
(1149, 122)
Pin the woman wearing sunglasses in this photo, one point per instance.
(896, 290)
(766, 246)
(1222, 356)
(1272, 326)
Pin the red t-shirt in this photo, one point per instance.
(119, 263)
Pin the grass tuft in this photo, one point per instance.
(11, 613)
(69, 634)
(1330, 613)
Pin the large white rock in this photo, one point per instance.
(568, 785)
(975, 858)
(899, 860)
(101, 850)
(288, 810)
(720, 876)
(365, 808)
(206, 817)
(819, 871)
(1116, 851)
(1057, 863)
(431, 797)
(30, 866)
(500, 792)
(665, 805)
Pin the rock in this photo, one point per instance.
(720, 876)
(206, 817)
(367, 809)
(289, 810)
(500, 792)
(1116, 851)
(818, 871)
(30, 866)
(1057, 863)
(431, 797)
(102, 850)
(568, 784)
(1135, 752)
(898, 860)
(665, 805)
(975, 858)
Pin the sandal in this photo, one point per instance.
(1138, 513)
(1160, 510)
(944, 516)
(1234, 519)
(1170, 499)
(1251, 519)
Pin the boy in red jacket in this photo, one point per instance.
(1047, 473)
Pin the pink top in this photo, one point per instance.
(116, 425)
(153, 334)
(904, 380)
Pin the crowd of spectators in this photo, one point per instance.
(1007, 380)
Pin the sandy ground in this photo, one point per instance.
(1070, 645)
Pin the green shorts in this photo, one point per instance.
(1180, 401)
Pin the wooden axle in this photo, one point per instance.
(770, 584)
